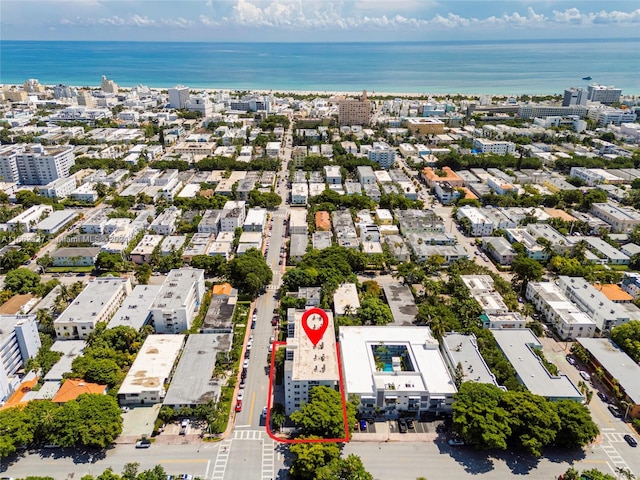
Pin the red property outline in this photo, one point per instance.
(346, 437)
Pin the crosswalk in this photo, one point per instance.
(611, 437)
(269, 455)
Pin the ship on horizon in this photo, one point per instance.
(586, 78)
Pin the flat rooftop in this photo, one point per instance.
(463, 349)
(92, 299)
(70, 349)
(175, 289)
(152, 367)
(192, 381)
(517, 345)
(134, 311)
(402, 304)
(619, 365)
(360, 372)
(311, 362)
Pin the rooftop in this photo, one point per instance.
(92, 299)
(134, 311)
(402, 304)
(72, 389)
(517, 345)
(70, 349)
(463, 349)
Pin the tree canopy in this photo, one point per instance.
(627, 336)
(322, 416)
(249, 273)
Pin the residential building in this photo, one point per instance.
(55, 222)
(482, 290)
(499, 249)
(298, 155)
(603, 94)
(210, 222)
(298, 220)
(606, 313)
(59, 188)
(199, 245)
(192, 383)
(478, 224)
(574, 96)
(532, 110)
(458, 349)
(178, 301)
(299, 193)
(398, 247)
(19, 341)
(75, 256)
(503, 320)
(165, 223)
(402, 304)
(395, 371)
(567, 319)
(605, 253)
(419, 221)
(200, 103)
(424, 125)
(178, 97)
(345, 300)
(604, 116)
(620, 372)
(232, 215)
(446, 193)
(366, 175)
(135, 310)
(256, 220)
(143, 251)
(273, 149)
(36, 164)
(520, 346)
(30, 217)
(621, 219)
(445, 175)
(323, 221)
(321, 240)
(96, 303)
(332, 174)
(151, 370)
(483, 145)
(354, 111)
(344, 229)
(307, 365)
(383, 154)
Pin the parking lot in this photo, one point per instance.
(389, 430)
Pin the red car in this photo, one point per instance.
(274, 321)
(239, 406)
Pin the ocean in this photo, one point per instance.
(497, 67)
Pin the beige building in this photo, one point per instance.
(355, 111)
(424, 126)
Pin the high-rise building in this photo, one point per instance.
(19, 341)
(85, 98)
(178, 97)
(63, 91)
(35, 164)
(383, 154)
(574, 96)
(604, 94)
(109, 86)
(355, 111)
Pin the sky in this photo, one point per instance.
(317, 20)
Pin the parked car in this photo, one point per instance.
(239, 406)
(245, 364)
(402, 425)
(363, 425)
(274, 321)
(603, 397)
(615, 411)
(240, 395)
(455, 442)
(410, 424)
(571, 360)
(585, 375)
(264, 411)
(630, 440)
(144, 443)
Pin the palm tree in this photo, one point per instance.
(625, 472)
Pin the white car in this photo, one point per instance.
(245, 364)
(264, 411)
(240, 395)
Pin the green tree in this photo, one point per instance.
(213, 265)
(45, 261)
(323, 416)
(16, 429)
(350, 468)
(627, 337)
(99, 420)
(478, 416)
(526, 269)
(374, 311)
(310, 457)
(109, 262)
(22, 280)
(249, 273)
(577, 429)
(12, 259)
(143, 273)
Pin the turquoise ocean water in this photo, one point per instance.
(516, 67)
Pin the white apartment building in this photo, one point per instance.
(151, 370)
(366, 176)
(608, 115)
(492, 146)
(298, 221)
(395, 371)
(273, 149)
(142, 252)
(346, 300)
(178, 97)
(383, 154)
(480, 225)
(232, 216)
(200, 103)
(55, 222)
(165, 223)
(134, 311)
(606, 313)
(60, 188)
(96, 303)
(299, 193)
(256, 220)
(30, 217)
(603, 94)
(36, 164)
(332, 174)
(621, 219)
(85, 193)
(210, 222)
(567, 319)
(306, 365)
(19, 341)
(178, 301)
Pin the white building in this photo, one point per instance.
(568, 320)
(232, 216)
(256, 220)
(30, 217)
(491, 146)
(480, 225)
(383, 154)
(621, 219)
(19, 341)
(143, 251)
(603, 94)
(165, 223)
(299, 193)
(178, 302)
(298, 221)
(366, 176)
(36, 164)
(134, 311)
(210, 222)
(85, 193)
(200, 103)
(306, 365)
(332, 174)
(178, 97)
(345, 300)
(396, 371)
(273, 149)
(151, 370)
(96, 303)
(55, 222)
(60, 188)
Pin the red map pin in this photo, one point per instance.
(315, 323)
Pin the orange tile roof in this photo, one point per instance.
(16, 398)
(561, 214)
(450, 175)
(323, 220)
(222, 289)
(468, 194)
(613, 292)
(72, 389)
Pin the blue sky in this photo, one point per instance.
(316, 20)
